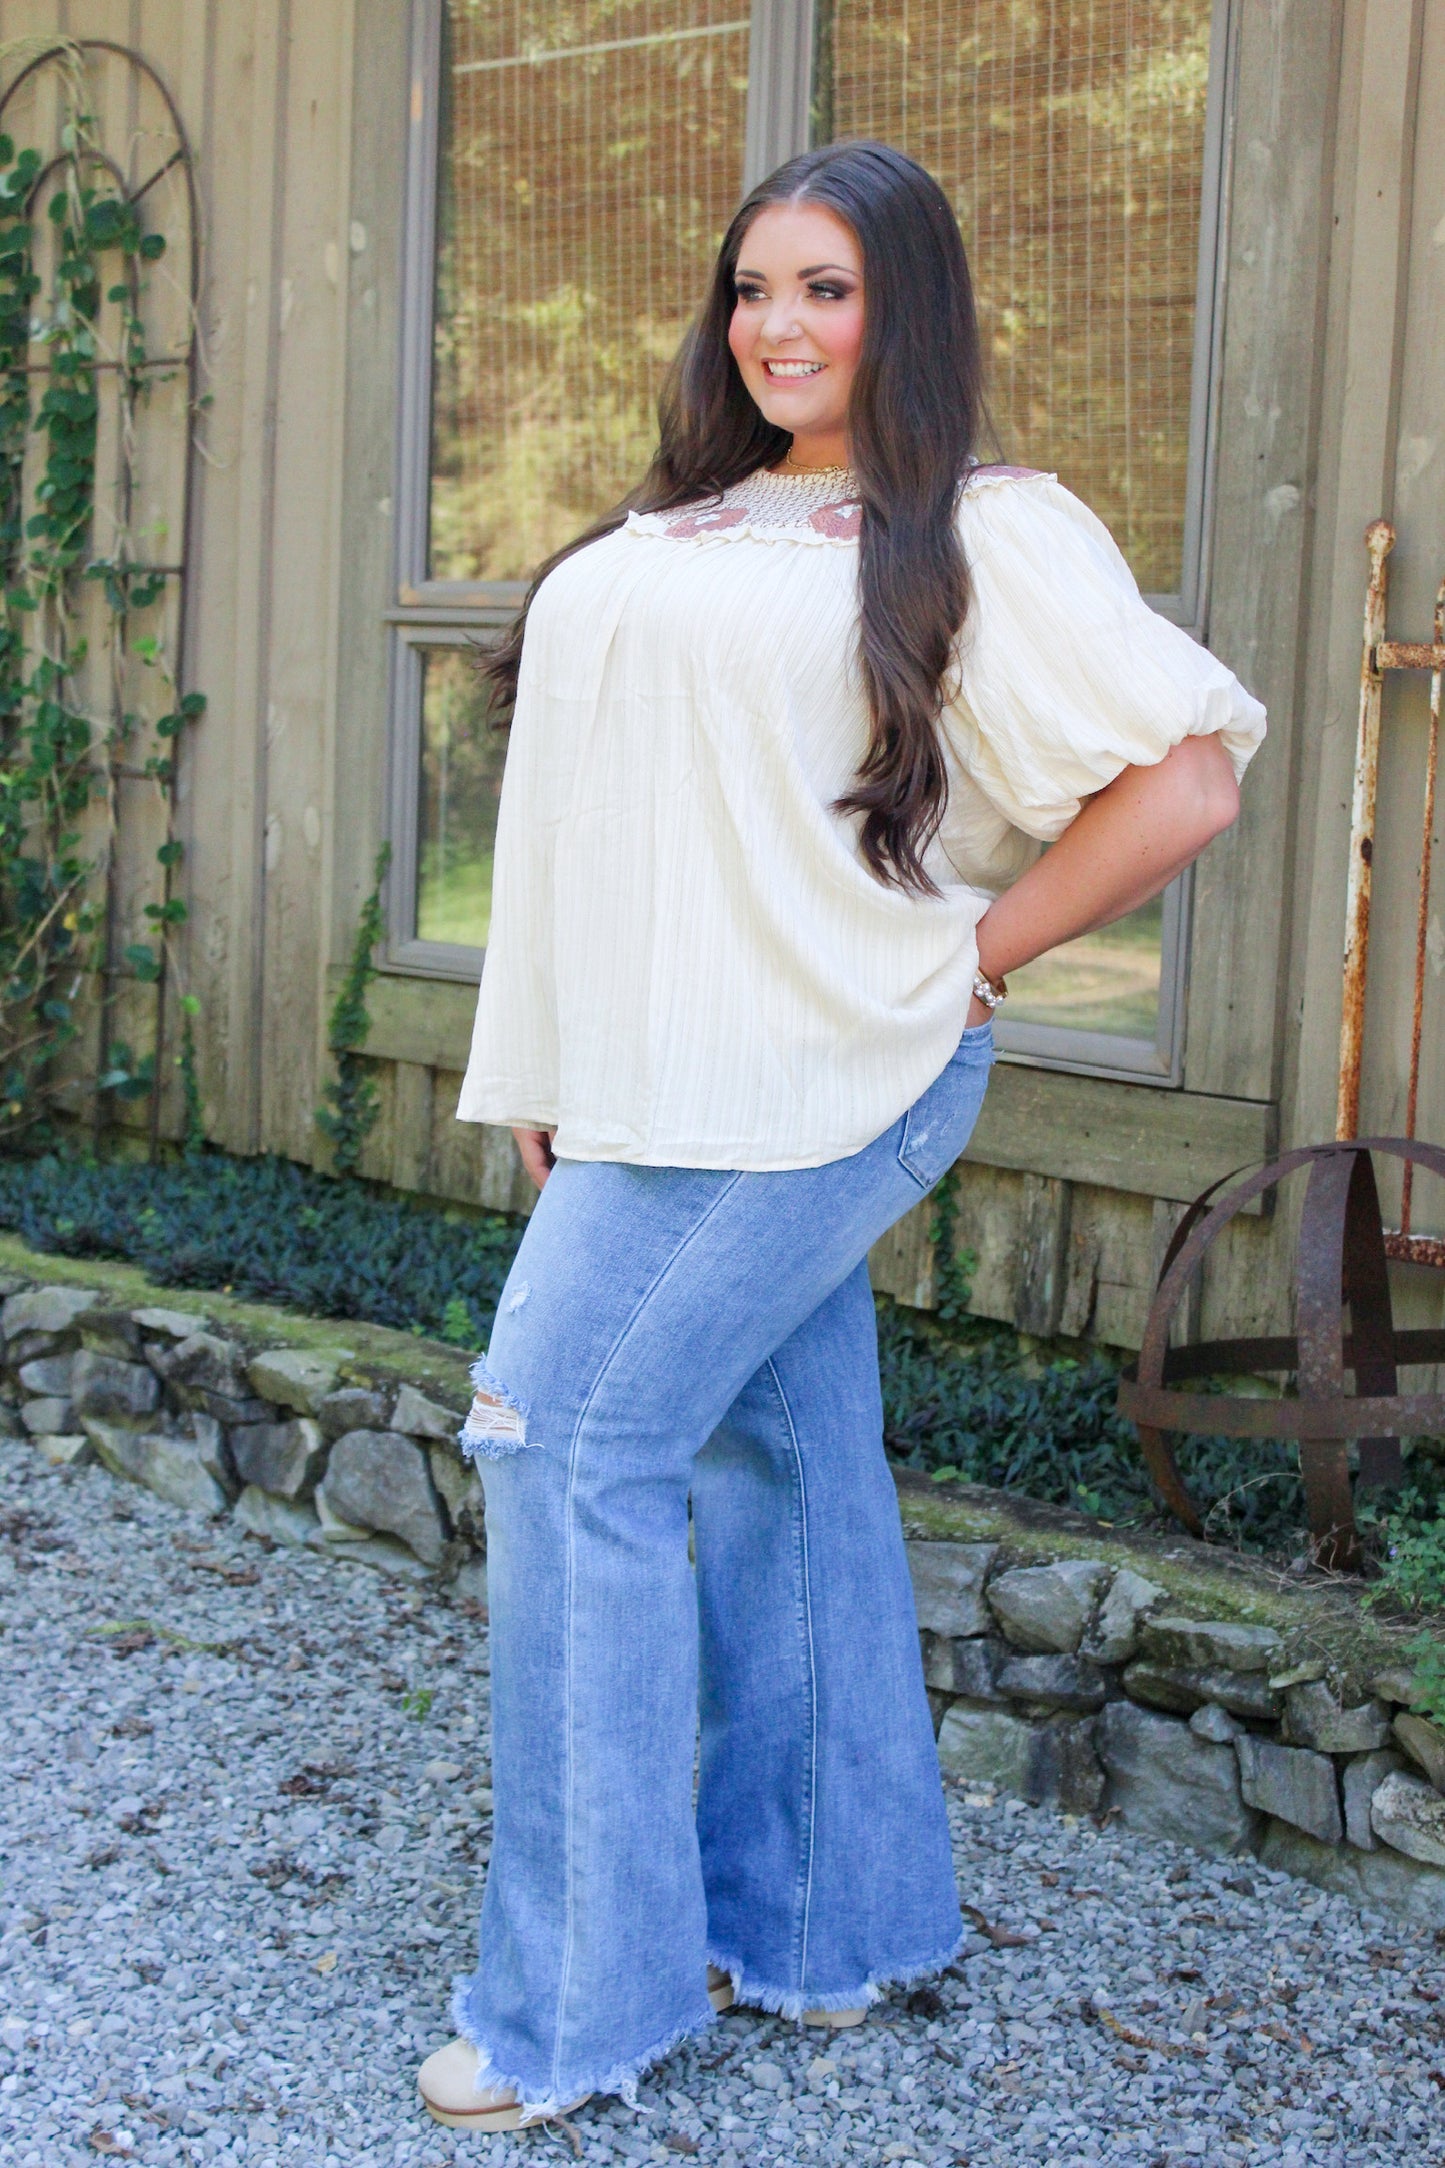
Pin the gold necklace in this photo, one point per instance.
(801, 466)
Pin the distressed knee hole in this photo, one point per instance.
(497, 1420)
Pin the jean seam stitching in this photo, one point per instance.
(564, 1982)
(812, 1673)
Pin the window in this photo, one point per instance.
(572, 168)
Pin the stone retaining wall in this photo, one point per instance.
(1076, 1681)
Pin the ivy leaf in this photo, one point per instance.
(152, 246)
(143, 961)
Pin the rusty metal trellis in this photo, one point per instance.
(1378, 656)
(1342, 1260)
(175, 159)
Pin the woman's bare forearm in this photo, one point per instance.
(1126, 845)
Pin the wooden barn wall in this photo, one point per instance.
(1329, 412)
(264, 91)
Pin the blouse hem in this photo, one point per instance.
(739, 1160)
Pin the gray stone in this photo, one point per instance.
(351, 1407)
(47, 1312)
(333, 1528)
(1048, 1607)
(213, 1453)
(205, 1363)
(1395, 1684)
(1212, 1722)
(1052, 1762)
(110, 1332)
(988, 1746)
(1360, 1781)
(1164, 1686)
(1313, 1717)
(383, 1554)
(280, 1520)
(1424, 1742)
(169, 1324)
(1067, 1768)
(379, 1479)
(1409, 1816)
(948, 1583)
(1291, 1783)
(48, 1376)
(1114, 1636)
(171, 1467)
(1055, 1681)
(46, 1415)
(1208, 1644)
(103, 1386)
(1168, 1783)
(286, 1459)
(1378, 1881)
(227, 1408)
(470, 1584)
(419, 1417)
(1303, 1674)
(965, 1664)
(460, 1489)
(298, 1378)
(65, 1449)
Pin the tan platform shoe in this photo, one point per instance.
(720, 1994)
(447, 2084)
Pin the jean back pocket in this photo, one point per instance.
(938, 1126)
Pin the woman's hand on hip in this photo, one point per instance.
(535, 1146)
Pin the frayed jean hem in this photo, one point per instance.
(619, 2078)
(751, 1994)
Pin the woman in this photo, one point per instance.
(789, 729)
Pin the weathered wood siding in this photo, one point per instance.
(265, 93)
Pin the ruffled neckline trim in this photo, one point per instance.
(1000, 477)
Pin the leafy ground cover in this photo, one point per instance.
(271, 1230)
(966, 1402)
(963, 1400)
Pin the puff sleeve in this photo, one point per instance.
(1065, 674)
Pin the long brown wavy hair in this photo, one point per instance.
(914, 417)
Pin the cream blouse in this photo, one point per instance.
(690, 963)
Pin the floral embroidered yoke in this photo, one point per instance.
(822, 506)
(691, 964)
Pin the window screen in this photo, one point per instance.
(1070, 135)
(590, 157)
(461, 783)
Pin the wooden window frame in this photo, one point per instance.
(427, 612)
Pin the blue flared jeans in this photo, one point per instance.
(674, 1337)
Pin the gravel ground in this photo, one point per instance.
(243, 1822)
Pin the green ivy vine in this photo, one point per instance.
(59, 759)
(351, 1102)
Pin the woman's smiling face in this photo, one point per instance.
(797, 324)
